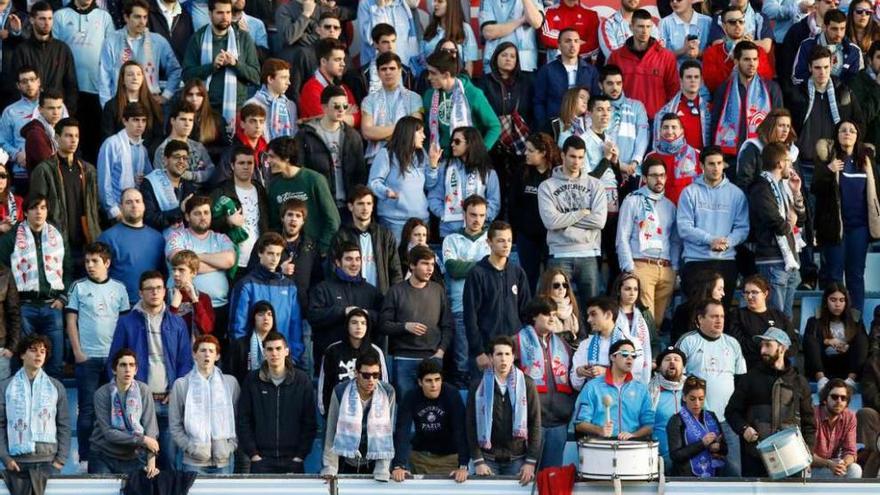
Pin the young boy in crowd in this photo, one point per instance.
(186, 301)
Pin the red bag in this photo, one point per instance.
(556, 480)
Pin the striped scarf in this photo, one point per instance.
(30, 412)
(832, 100)
(685, 156)
(532, 361)
(758, 106)
(349, 424)
(485, 401)
(459, 114)
(593, 357)
(230, 81)
(786, 243)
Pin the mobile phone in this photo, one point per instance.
(692, 37)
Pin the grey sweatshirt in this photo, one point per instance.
(45, 452)
(221, 450)
(118, 444)
(561, 203)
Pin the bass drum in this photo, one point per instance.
(618, 459)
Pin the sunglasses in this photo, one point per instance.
(838, 397)
(4, 176)
(370, 376)
(560, 285)
(733, 22)
(458, 141)
(340, 106)
(627, 354)
(692, 380)
(863, 11)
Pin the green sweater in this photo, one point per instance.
(310, 186)
(482, 115)
(247, 69)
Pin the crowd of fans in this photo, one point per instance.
(205, 186)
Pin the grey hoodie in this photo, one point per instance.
(561, 203)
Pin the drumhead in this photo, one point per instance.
(598, 443)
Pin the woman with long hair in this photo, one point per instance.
(11, 210)
(131, 86)
(448, 22)
(776, 128)
(208, 127)
(835, 341)
(707, 284)
(542, 155)
(696, 443)
(509, 91)
(573, 119)
(416, 232)
(468, 171)
(556, 285)
(755, 318)
(401, 174)
(845, 183)
(862, 28)
(635, 323)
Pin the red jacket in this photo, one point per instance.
(717, 67)
(310, 101)
(199, 315)
(675, 185)
(652, 79)
(585, 20)
(37, 143)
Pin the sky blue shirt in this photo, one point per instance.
(85, 35)
(215, 283)
(630, 408)
(163, 60)
(674, 31)
(97, 306)
(14, 117)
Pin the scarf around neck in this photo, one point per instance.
(280, 122)
(230, 81)
(651, 234)
(485, 402)
(459, 184)
(532, 362)
(25, 265)
(163, 189)
(787, 244)
(637, 331)
(729, 123)
(349, 424)
(208, 413)
(832, 100)
(459, 113)
(685, 156)
(658, 384)
(565, 311)
(703, 464)
(148, 61)
(30, 412)
(125, 412)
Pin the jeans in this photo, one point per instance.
(509, 468)
(532, 254)
(460, 347)
(733, 468)
(167, 448)
(553, 444)
(227, 469)
(783, 285)
(102, 464)
(853, 471)
(848, 257)
(270, 465)
(42, 319)
(584, 272)
(307, 361)
(405, 374)
(89, 376)
(395, 226)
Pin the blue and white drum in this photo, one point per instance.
(618, 459)
(785, 453)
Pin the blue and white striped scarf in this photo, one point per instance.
(230, 81)
(380, 430)
(593, 357)
(832, 100)
(279, 121)
(485, 401)
(30, 412)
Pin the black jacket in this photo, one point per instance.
(314, 154)
(766, 223)
(384, 250)
(54, 62)
(153, 214)
(504, 100)
(799, 101)
(358, 80)
(227, 189)
(680, 452)
(277, 421)
(871, 372)
(838, 365)
(503, 442)
(786, 52)
(181, 28)
(769, 400)
(744, 325)
(327, 303)
(9, 45)
(493, 302)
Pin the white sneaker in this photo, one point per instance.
(82, 467)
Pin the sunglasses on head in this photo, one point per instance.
(560, 285)
(368, 376)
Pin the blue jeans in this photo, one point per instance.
(733, 468)
(532, 254)
(227, 469)
(42, 319)
(90, 375)
(460, 346)
(584, 272)
(783, 285)
(509, 468)
(405, 374)
(167, 449)
(395, 226)
(307, 362)
(553, 444)
(102, 464)
(848, 258)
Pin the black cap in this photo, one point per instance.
(671, 350)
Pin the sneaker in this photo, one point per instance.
(82, 467)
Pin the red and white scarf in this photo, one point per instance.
(24, 263)
(531, 360)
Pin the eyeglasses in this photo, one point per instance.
(626, 354)
(340, 106)
(863, 11)
(838, 397)
(458, 141)
(180, 158)
(733, 22)
(370, 376)
(560, 285)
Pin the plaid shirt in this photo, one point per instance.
(835, 438)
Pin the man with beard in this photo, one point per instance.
(834, 455)
(629, 121)
(331, 67)
(200, 167)
(135, 247)
(717, 62)
(665, 390)
(614, 30)
(847, 58)
(757, 410)
(216, 253)
(166, 191)
(682, 162)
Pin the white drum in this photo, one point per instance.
(618, 459)
(785, 453)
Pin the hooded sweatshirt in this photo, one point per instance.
(561, 203)
(493, 302)
(706, 213)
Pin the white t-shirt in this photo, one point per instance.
(717, 362)
(572, 71)
(250, 208)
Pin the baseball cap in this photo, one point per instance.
(776, 334)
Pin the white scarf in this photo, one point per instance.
(832, 100)
(459, 114)
(24, 261)
(782, 205)
(255, 352)
(30, 412)
(380, 444)
(658, 384)
(637, 332)
(150, 70)
(11, 207)
(128, 417)
(565, 312)
(457, 188)
(373, 82)
(651, 235)
(389, 109)
(163, 190)
(50, 130)
(208, 414)
(230, 81)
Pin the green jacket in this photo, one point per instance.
(247, 69)
(482, 115)
(310, 186)
(46, 180)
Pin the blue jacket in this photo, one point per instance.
(705, 213)
(552, 83)
(131, 332)
(630, 410)
(852, 60)
(280, 291)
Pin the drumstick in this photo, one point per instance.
(607, 401)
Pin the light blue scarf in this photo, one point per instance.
(485, 401)
(532, 360)
(380, 430)
(30, 412)
(279, 119)
(163, 190)
(593, 348)
(832, 100)
(230, 81)
(758, 96)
